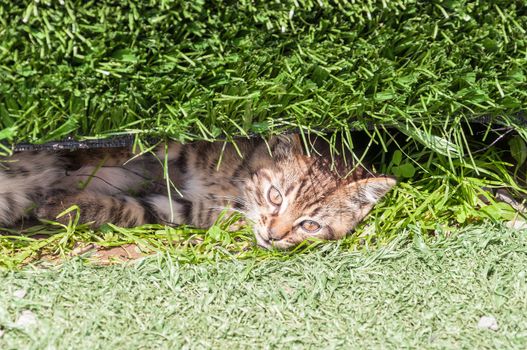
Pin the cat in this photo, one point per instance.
(286, 194)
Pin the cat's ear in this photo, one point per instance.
(284, 146)
(367, 192)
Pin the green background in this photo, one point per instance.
(210, 69)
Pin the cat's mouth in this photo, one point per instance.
(262, 242)
(267, 244)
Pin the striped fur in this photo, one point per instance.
(287, 195)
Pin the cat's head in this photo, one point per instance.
(296, 197)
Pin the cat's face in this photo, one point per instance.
(298, 198)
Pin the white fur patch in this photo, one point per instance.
(167, 210)
(107, 180)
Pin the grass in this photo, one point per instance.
(205, 70)
(407, 294)
(217, 70)
(428, 262)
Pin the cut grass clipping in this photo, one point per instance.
(190, 70)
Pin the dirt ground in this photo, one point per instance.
(109, 255)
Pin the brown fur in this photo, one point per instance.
(287, 195)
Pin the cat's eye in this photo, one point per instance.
(310, 226)
(274, 196)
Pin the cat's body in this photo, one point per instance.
(286, 195)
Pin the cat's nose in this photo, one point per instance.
(276, 235)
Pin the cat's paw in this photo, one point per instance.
(236, 226)
(54, 205)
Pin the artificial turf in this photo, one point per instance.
(211, 69)
(193, 70)
(405, 295)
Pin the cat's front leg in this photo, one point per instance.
(170, 211)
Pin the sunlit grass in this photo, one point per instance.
(207, 71)
(407, 294)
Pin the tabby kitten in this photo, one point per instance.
(288, 196)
